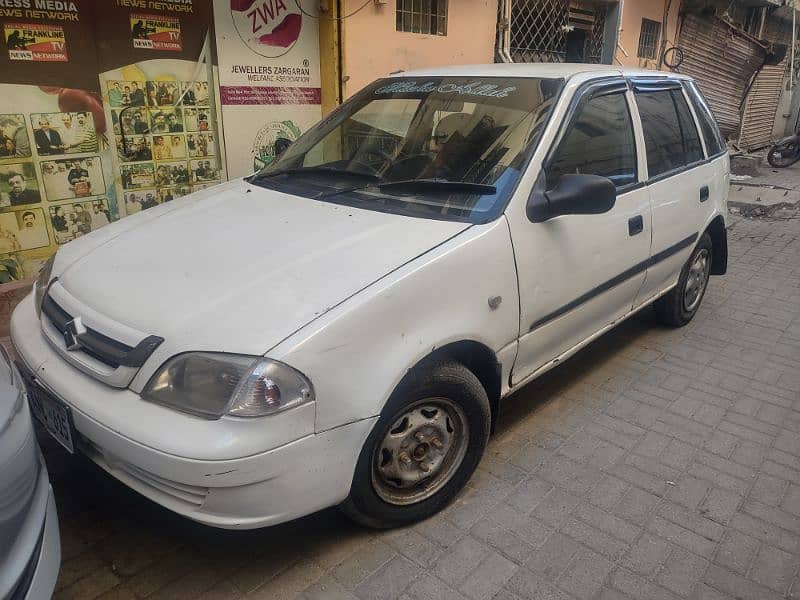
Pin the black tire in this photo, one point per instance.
(672, 309)
(776, 158)
(441, 380)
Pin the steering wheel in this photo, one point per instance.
(374, 166)
(411, 166)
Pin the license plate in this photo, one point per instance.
(53, 414)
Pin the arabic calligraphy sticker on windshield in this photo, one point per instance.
(473, 88)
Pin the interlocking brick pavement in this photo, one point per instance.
(656, 464)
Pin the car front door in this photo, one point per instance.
(579, 273)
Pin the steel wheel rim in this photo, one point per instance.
(419, 451)
(696, 280)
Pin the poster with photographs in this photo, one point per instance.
(200, 145)
(166, 120)
(23, 230)
(122, 94)
(137, 176)
(194, 93)
(197, 119)
(18, 184)
(134, 148)
(72, 220)
(140, 200)
(169, 147)
(167, 194)
(69, 178)
(165, 133)
(204, 171)
(162, 93)
(132, 121)
(175, 173)
(64, 133)
(14, 141)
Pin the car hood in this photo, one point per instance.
(237, 267)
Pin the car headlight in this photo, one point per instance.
(211, 385)
(42, 281)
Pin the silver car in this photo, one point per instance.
(30, 549)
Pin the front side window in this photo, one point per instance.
(714, 141)
(599, 141)
(438, 147)
(422, 16)
(670, 134)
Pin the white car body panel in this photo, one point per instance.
(351, 298)
(565, 257)
(360, 369)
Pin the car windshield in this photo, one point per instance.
(438, 147)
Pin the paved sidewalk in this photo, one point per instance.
(656, 464)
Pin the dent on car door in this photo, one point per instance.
(580, 272)
(679, 181)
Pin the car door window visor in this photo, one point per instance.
(615, 281)
(653, 84)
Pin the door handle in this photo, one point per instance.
(704, 193)
(635, 225)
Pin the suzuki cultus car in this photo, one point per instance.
(339, 327)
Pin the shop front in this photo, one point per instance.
(108, 108)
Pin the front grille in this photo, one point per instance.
(101, 347)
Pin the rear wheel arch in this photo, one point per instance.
(719, 246)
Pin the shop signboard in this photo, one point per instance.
(269, 72)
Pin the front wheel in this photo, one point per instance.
(678, 306)
(783, 156)
(423, 449)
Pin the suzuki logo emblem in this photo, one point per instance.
(72, 332)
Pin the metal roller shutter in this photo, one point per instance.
(758, 116)
(722, 62)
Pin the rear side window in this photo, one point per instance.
(670, 135)
(599, 141)
(714, 142)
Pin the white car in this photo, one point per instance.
(338, 329)
(30, 546)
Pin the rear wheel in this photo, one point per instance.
(679, 305)
(423, 449)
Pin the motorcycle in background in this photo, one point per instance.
(785, 152)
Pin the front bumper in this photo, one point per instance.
(232, 474)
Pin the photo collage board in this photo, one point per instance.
(164, 135)
(52, 183)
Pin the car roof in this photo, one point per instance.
(544, 70)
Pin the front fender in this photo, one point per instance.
(357, 353)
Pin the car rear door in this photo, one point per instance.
(678, 180)
(580, 273)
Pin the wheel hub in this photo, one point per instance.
(420, 451)
(696, 280)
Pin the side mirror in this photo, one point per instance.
(281, 145)
(573, 195)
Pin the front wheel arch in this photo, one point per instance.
(479, 359)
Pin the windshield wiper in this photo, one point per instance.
(439, 184)
(320, 169)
